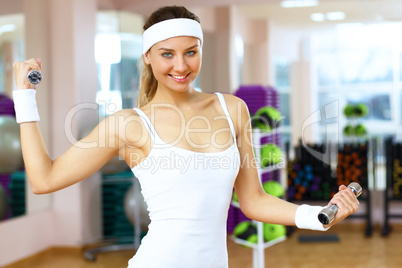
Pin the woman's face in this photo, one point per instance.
(175, 62)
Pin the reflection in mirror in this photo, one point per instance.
(12, 176)
(118, 50)
(118, 47)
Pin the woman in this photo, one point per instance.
(187, 148)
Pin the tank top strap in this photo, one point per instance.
(228, 117)
(149, 126)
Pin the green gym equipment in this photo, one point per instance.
(273, 231)
(246, 231)
(266, 119)
(271, 154)
(356, 110)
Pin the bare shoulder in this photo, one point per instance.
(124, 117)
(238, 112)
(235, 104)
(129, 125)
(125, 113)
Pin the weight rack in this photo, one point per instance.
(393, 190)
(314, 179)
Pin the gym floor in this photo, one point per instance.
(354, 250)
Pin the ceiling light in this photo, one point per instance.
(328, 16)
(317, 17)
(335, 16)
(299, 3)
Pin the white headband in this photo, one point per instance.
(170, 28)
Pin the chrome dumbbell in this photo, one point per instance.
(327, 215)
(34, 77)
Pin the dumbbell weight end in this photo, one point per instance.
(34, 77)
(327, 215)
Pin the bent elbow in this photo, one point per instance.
(251, 206)
(249, 215)
(39, 189)
(246, 210)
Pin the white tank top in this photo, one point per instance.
(188, 196)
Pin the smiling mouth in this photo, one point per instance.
(179, 78)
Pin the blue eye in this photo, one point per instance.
(167, 54)
(191, 53)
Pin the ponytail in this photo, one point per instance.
(148, 84)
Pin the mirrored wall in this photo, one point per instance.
(12, 177)
(118, 49)
(118, 46)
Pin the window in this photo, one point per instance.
(355, 63)
(282, 84)
(118, 50)
(379, 105)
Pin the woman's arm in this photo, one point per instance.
(78, 162)
(253, 200)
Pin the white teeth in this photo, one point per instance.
(179, 77)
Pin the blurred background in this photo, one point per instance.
(331, 69)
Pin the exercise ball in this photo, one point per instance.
(349, 110)
(132, 202)
(3, 203)
(267, 118)
(361, 110)
(271, 154)
(115, 165)
(349, 130)
(273, 188)
(273, 231)
(10, 145)
(247, 231)
(360, 130)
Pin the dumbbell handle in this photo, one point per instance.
(327, 215)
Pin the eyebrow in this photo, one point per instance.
(169, 49)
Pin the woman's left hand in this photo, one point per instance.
(347, 203)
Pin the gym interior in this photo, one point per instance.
(323, 82)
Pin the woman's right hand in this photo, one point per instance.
(21, 70)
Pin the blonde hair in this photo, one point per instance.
(148, 82)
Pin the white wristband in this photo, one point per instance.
(307, 218)
(25, 105)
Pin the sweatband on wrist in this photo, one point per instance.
(25, 105)
(307, 218)
(170, 28)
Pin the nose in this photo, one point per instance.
(180, 64)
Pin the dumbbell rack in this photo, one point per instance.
(393, 152)
(333, 177)
(368, 147)
(259, 248)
